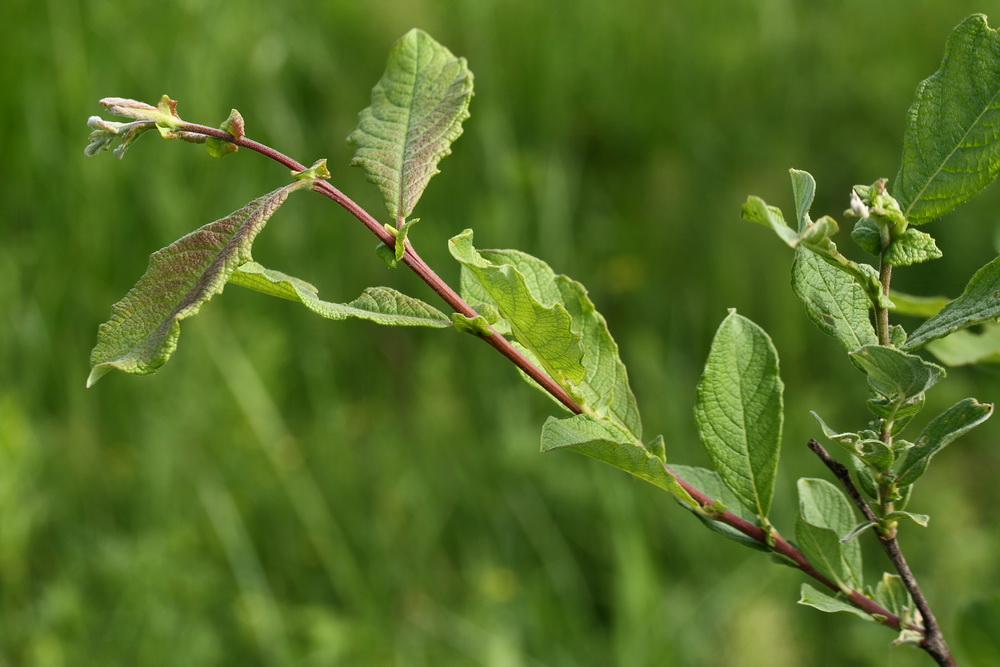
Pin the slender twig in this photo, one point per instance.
(772, 540)
(933, 642)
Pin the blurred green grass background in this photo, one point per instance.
(290, 491)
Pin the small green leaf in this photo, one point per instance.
(756, 210)
(709, 482)
(234, 126)
(739, 411)
(912, 247)
(951, 146)
(980, 302)
(896, 375)
(317, 171)
(825, 517)
(834, 301)
(382, 305)
(865, 445)
(144, 326)
(658, 447)
(891, 593)
(477, 326)
(416, 113)
(804, 191)
(828, 603)
(953, 422)
(920, 519)
(868, 236)
(606, 441)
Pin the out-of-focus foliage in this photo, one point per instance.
(321, 492)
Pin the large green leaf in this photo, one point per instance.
(834, 301)
(531, 306)
(144, 326)
(739, 411)
(951, 146)
(825, 517)
(382, 305)
(604, 389)
(607, 441)
(979, 302)
(416, 113)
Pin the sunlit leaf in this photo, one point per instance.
(951, 146)
(739, 411)
(416, 112)
(834, 301)
(144, 326)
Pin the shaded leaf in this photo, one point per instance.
(416, 113)
(825, 518)
(709, 482)
(943, 429)
(609, 442)
(979, 302)
(382, 305)
(951, 146)
(828, 603)
(896, 375)
(144, 326)
(739, 410)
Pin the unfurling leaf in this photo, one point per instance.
(416, 113)
(381, 305)
(739, 411)
(951, 146)
(234, 126)
(980, 302)
(144, 326)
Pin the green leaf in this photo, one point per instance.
(951, 146)
(804, 191)
(607, 441)
(980, 302)
(544, 328)
(868, 236)
(965, 347)
(834, 301)
(756, 210)
(709, 482)
(382, 305)
(943, 429)
(477, 326)
(920, 306)
(825, 517)
(144, 326)
(316, 171)
(739, 411)
(828, 603)
(603, 390)
(865, 445)
(912, 247)
(891, 593)
(894, 374)
(234, 126)
(416, 113)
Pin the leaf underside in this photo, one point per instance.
(144, 326)
(416, 112)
